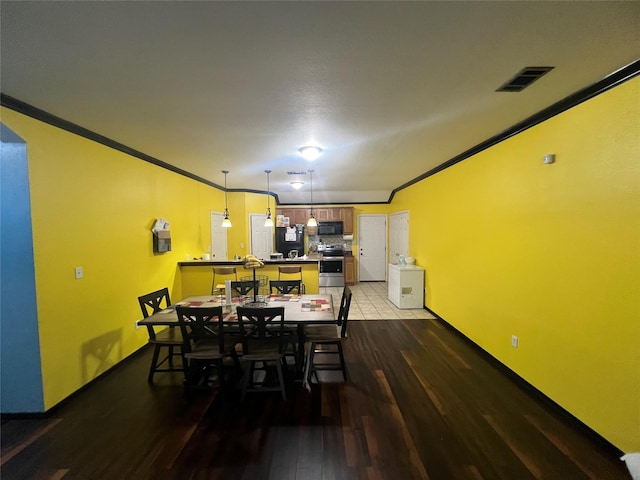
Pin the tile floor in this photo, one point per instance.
(370, 302)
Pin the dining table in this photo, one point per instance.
(299, 310)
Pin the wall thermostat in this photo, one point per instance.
(549, 158)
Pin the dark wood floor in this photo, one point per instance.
(420, 403)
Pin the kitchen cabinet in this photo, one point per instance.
(346, 215)
(406, 286)
(296, 215)
(326, 214)
(301, 216)
(285, 212)
(322, 214)
(349, 270)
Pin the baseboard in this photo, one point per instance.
(535, 392)
(39, 415)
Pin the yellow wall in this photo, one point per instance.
(94, 207)
(549, 253)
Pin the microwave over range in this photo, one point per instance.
(330, 228)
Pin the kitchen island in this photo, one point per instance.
(197, 275)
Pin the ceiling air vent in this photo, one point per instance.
(523, 79)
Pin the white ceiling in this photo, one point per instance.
(390, 90)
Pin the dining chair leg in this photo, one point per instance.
(154, 361)
(281, 378)
(170, 357)
(236, 362)
(192, 374)
(342, 362)
(221, 380)
(185, 363)
(307, 368)
(248, 378)
(300, 356)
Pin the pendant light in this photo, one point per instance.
(312, 220)
(226, 223)
(268, 222)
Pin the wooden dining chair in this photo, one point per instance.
(220, 275)
(327, 340)
(284, 287)
(207, 343)
(244, 288)
(168, 338)
(285, 272)
(263, 346)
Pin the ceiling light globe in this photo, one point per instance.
(310, 152)
(297, 185)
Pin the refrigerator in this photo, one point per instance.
(290, 238)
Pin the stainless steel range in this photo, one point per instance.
(331, 266)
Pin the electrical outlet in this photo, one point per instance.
(514, 341)
(79, 273)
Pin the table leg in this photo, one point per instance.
(300, 354)
(255, 292)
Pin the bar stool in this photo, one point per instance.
(220, 274)
(291, 270)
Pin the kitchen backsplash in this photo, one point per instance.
(314, 241)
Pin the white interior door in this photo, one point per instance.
(372, 244)
(218, 237)
(261, 236)
(398, 235)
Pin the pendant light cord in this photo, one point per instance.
(268, 221)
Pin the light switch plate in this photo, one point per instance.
(79, 273)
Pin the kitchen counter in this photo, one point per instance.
(196, 275)
(240, 263)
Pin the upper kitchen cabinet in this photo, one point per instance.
(326, 214)
(347, 220)
(285, 212)
(301, 215)
(295, 215)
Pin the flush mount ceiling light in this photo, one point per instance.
(268, 222)
(226, 223)
(310, 152)
(297, 183)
